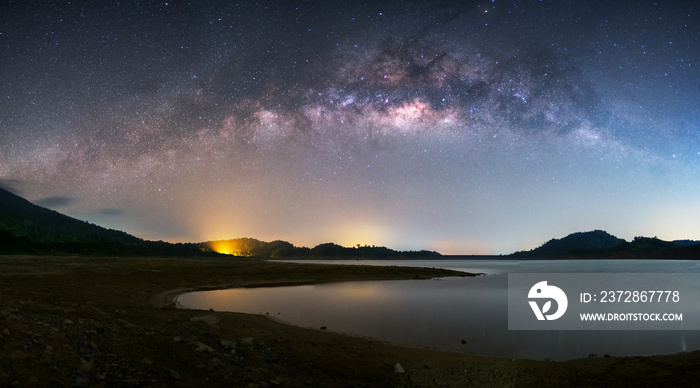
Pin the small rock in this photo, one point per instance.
(67, 322)
(5, 331)
(200, 347)
(247, 340)
(85, 366)
(323, 328)
(208, 319)
(177, 339)
(228, 343)
(464, 342)
(398, 368)
(93, 345)
(146, 361)
(216, 361)
(174, 374)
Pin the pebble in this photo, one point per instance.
(208, 319)
(85, 365)
(398, 368)
(174, 374)
(228, 343)
(200, 347)
(247, 340)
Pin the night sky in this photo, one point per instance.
(462, 127)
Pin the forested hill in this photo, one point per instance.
(575, 243)
(601, 244)
(282, 249)
(39, 224)
(28, 228)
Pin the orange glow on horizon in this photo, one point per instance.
(227, 247)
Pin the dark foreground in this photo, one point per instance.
(109, 322)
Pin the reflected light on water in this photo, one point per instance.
(457, 314)
(359, 291)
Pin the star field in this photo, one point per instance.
(462, 127)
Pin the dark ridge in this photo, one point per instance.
(26, 228)
(576, 243)
(598, 244)
(282, 249)
(31, 229)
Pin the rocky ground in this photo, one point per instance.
(82, 321)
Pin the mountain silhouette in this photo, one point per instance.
(603, 245)
(575, 243)
(28, 228)
(40, 224)
(31, 229)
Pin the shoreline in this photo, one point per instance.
(84, 321)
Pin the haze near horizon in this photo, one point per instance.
(460, 127)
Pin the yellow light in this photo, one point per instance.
(228, 247)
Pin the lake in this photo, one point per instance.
(467, 315)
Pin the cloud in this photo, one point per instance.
(57, 201)
(110, 212)
(11, 185)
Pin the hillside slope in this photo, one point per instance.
(28, 228)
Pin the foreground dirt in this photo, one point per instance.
(76, 321)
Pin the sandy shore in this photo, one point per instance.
(81, 321)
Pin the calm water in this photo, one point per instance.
(440, 313)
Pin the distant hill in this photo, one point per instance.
(250, 247)
(576, 243)
(28, 228)
(686, 243)
(368, 252)
(600, 244)
(282, 249)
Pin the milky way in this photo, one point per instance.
(465, 127)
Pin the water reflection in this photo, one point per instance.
(442, 313)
